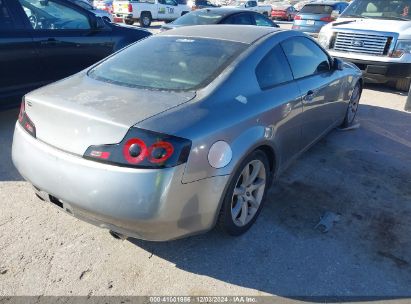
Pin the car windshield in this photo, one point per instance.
(168, 63)
(199, 17)
(379, 9)
(317, 9)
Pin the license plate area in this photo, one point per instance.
(310, 22)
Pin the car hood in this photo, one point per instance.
(378, 25)
(77, 112)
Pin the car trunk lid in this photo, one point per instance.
(78, 112)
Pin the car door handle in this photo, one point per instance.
(309, 97)
(50, 41)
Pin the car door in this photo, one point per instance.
(65, 36)
(319, 83)
(167, 10)
(279, 89)
(19, 62)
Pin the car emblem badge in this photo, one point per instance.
(357, 43)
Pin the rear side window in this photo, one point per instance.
(273, 69)
(305, 57)
(245, 19)
(6, 22)
(260, 20)
(317, 9)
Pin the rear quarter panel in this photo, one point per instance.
(217, 114)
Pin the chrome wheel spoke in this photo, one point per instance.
(254, 173)
(244, 213)
(240, 190)
(258, 183)
(253, 202)
(235, 211)
(246, 174)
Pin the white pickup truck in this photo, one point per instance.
(252, 5)
(147, 11)
(375, 35)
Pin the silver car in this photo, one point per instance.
(182, 130)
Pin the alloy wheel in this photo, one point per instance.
(353, 104)
(248, 193)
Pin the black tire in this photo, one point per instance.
(145, 19)
(289, 18)
(129, 22)
(225, 220)
(403, 84)
(349, 118)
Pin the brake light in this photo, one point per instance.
(327, 19)
(143, 149)
(297, 17)
(25, 121)
(130, 8)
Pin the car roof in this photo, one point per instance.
(326, 2)
(224, 11)
(238, 33)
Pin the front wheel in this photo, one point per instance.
(352, 106)
(245, 195)
(145, 19)
(129, 22)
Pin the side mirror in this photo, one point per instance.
(338, 64)
(100, 23)
(335, 14)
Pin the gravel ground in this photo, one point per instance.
(364, 175)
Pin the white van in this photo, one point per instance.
(376, 36)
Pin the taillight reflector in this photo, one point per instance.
(327, 19)
(297, 17)
(160, 152)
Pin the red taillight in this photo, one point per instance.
(25, 121)
(143, 149)
(160, 152)
(297, 17)
(327, 19)
(135, 151)
(130, 8)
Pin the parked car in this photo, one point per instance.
(199, 4)
(314, 16)
(253, 5)
(145, 12)
(375, 36)
(283, 12)
(41, 42)
(105, 5)
(100, 13)
(189, 135)
(222, 15)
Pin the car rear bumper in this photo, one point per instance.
(381, 71)
(151, 204)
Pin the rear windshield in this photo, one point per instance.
(198, 18)
(317, 9)
(168, 63)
